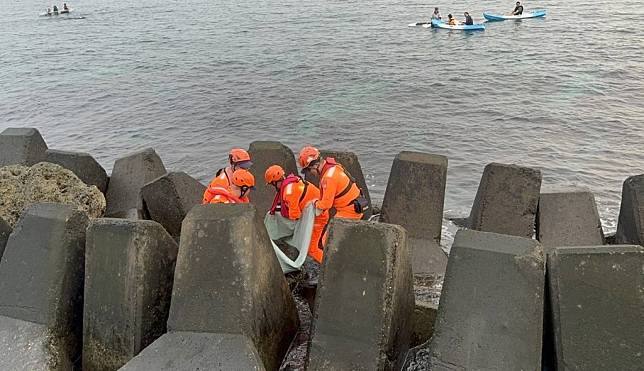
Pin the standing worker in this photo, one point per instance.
(238, 159)
(338, 189)
(241, 184)
(294, 194)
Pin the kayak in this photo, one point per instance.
(60, 12)
(500, 17)
(437, 23)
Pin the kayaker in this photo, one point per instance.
(468, 19)
(55, 9)
(436, 14)
(65, 6)
(48, 11)
(518, 10)
(451, 20)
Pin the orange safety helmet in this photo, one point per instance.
(308, 155)
(239, 157)
(273, 174)
(243, 178)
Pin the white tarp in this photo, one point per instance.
(298, 233)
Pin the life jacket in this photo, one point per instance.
(330, 162)
(278, 202)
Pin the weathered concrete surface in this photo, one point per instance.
(41, 281)
(247, 293)
(568, 217)
(5, 231)
(597, 298)
(364, 303)
(170, 197)
(129, 267)
(427, 257)
(263, 154)
(82, 164)
(506, 201)
(28, 346)
(491, 308)
(415, 194)
(423, 322)
(130, 174)
(22, 186)
(190, 351)
(21, 146)
(630, 225)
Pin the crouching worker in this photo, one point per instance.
(338, 190)
(237, 159)
(241, 183)
(294, 194)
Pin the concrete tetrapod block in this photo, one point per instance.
(190, 351)
(5, 231)
(129, 267)
(364, 302)
(130, 174)
(170, 197)
(416, 193)
(82, 164)
(41, 289)
(264, 154)
(490, 315)
(568, 217)
(630, 225)
(427, 257)
(21, 146)
(597, 300)
(246, 295)
(506, 201)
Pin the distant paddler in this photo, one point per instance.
(518, 9)
(436, 14)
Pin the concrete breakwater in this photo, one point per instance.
(160, 282)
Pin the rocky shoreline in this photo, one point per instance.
(129, 271)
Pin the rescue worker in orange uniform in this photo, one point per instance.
(242, 181)
(238, 159)
(294, 194)
(337, 188)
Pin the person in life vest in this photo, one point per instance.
(337, 188)
(238, 159)
(293, 195)
(242, 181)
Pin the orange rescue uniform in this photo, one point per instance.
(338, 191)
(222, 195)
(295, 196)
(221, 180)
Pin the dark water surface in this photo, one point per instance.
(194, 78)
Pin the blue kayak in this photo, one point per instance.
(437, 23)
(500, 17)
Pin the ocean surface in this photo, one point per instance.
(194, 78)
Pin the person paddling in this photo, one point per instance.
(468, 19)
(451, 20)
(65, 7)
(55, 9)
(518, 9)
(436, 14)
